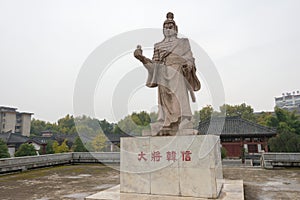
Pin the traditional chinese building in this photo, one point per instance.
(114, 139)
(237, 133)
(15, 140)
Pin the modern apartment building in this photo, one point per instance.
(15, 121)
(289, 101)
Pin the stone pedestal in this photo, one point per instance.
(172, 165)
(185, 128)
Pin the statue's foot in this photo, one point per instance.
(186, 124)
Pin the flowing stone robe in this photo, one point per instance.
(173, 71)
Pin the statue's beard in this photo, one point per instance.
(169, 32)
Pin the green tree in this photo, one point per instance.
(127, 125)
(197, 118)
(135, 123)
(206, 112)
(37, 126)
(153, 116)
(141, 119)
(106, 127)
(285, 142)
(85, 130)
(55, 146)
(288, 128)
(78, 146)
(242, 110)
(89, 146)
(117, 130)
(223, 153)
(26, 150)
(90, 127)
(3, 150)
(64, 147)
(67, 121)
(99, 142)
(264, 118)
(286, 121)
(64, 125)
(49, 147)
(60, 148)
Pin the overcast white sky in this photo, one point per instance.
(254, 44)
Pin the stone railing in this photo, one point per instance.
(271, 160)
(31, 162)
(96, 157)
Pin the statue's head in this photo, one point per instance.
(170, 27)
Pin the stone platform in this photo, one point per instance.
(187, 166)
(232, 190)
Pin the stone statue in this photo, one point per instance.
(172, 69)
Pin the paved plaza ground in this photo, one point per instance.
(265, 184)
(78, 181)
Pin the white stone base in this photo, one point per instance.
(232, 190)
(196, 175)
(185, 128)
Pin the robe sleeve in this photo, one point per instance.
(152, 68)
(190, 71)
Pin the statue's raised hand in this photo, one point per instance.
(138, 54)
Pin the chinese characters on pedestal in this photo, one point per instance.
(156, 156)
(142, 156)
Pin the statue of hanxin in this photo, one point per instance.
(172, 69)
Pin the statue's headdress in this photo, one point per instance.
(170, 19)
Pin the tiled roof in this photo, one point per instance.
(115, 137)
(233, 126)
(16, 138)
(4, 137)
